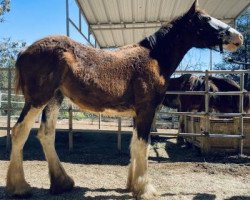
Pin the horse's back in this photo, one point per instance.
(88, 76)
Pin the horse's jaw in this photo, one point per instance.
(231, 47)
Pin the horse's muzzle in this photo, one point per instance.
(233, 41)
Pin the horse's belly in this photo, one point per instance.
(113, 112)
(106, 111)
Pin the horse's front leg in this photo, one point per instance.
(138, 181)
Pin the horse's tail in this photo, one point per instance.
(19, 83)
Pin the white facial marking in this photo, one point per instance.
(217, 24)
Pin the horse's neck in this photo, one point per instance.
(168, 50)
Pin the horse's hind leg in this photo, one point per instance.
(60, 181)
(16, 184)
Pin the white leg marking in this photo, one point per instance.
(138, 177)
(16, 184)
(60, 181)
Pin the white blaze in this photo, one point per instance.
(217, 24)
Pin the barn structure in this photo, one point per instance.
(114, 23)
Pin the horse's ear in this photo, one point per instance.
(194, 7)
(185, 77)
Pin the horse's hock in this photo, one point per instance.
(220, 126)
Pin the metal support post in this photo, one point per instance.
(80, 19)
(119, 138)
(211, 59)
(99, 121)
(70, 128)
(241, 109)
(89, 33)
(205, 144)
(67, 17)
(70, 106)
(8, 142)
(0, 102)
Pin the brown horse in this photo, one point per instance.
(191, 103)
(132, 80)
(188, 103)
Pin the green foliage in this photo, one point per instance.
(243, 53)
(63, 115)
(8, 51)
(4, 7)
(80, 116)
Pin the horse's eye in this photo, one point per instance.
(207, 18)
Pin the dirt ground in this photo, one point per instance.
(100, 171)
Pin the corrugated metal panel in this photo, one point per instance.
(120, 22)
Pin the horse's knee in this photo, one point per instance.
(46, 134)
(16, 134)
(139, 149)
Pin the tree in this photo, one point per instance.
(8, 51)
(192, 61)
(8, 48)
(4, 7)
(243, 53)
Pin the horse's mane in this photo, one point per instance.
(225, 84)
(175, 26)
(165, 33)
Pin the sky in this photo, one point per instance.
(30, 20)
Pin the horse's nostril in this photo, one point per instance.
(237, 44)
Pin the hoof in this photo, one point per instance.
(19, 191)
(129, 188)
(147, 193)
(61, 185)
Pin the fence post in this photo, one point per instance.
(0, 103)
(70, 128)
(241, 109)
(119, 139)
(205, 141)
(8, 111)
(99, 121)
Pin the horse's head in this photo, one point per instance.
(210, 32)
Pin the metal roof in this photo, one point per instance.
(119, 22)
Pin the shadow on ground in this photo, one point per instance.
(81, 193)
(89, 148)
(101, 148)
(198, 196)
(183, 153)
(76, 193)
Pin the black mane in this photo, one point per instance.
(170, 43)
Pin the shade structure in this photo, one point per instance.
(119, 22)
